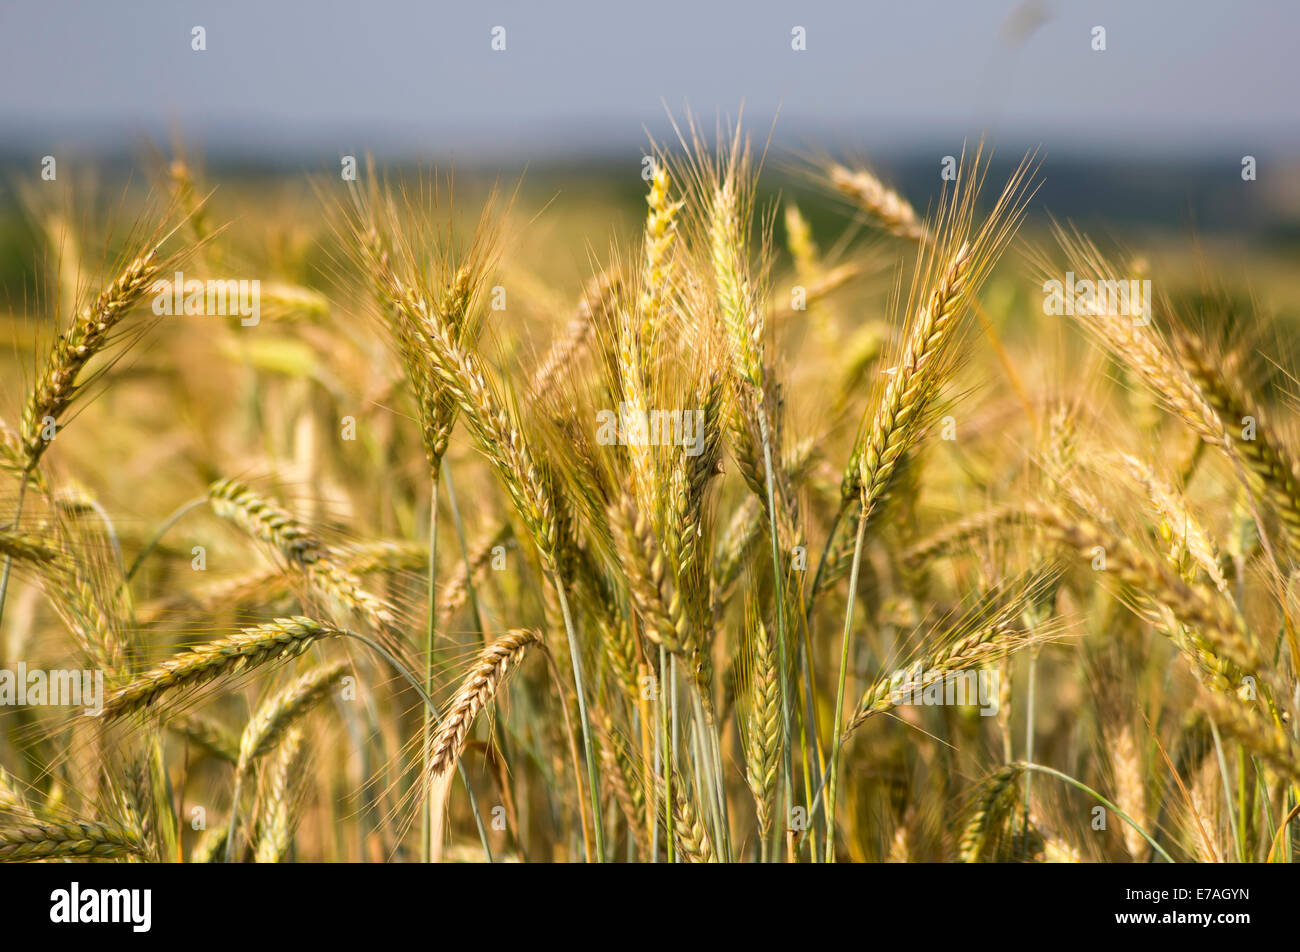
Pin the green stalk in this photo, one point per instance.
(778, 595)
(1039, 768)
(111, 531)
(478, 819)
(165, 812)
(1261, 790)
(470, 587)
(426, 816)
(1286, 826)
(575, 660)
(821, 562)
(673, 732)
(811, 739)
(1227, 790)
(662, 751)
(1243, 809)
(162, 530)
(711, 763)
(1029, 743)
(839, 691)
(234, 814)
(501, 740)
(429, 705)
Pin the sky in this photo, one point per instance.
(577, 76)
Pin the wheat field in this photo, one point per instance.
(729, 533)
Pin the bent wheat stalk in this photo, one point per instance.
(347, 598)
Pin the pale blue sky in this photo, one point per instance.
(420, 74)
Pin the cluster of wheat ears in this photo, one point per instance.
(451, 622)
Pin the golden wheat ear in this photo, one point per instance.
(483, 683)
(761, 727)
(884, 205)
(960, 251)
(96, 326)
(277, 816)
(277, 641)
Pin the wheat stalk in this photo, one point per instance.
(264, 520)
(665, 621)
(276, 641)
(91, 331)
(911, 384)
(1185, 530)
(597, 302)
